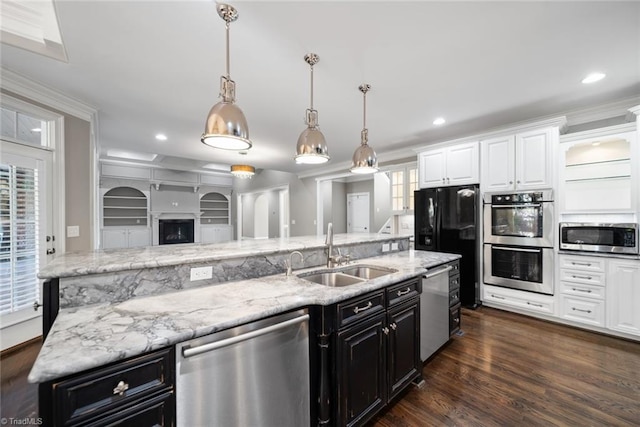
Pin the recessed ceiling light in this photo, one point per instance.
(161, 137)
(593, 77)
(439, 121)
(36, 130)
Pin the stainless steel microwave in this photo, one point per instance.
(594, 237)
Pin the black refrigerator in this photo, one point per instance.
(447, 220)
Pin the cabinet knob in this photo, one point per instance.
(121, 388)
(510, 182)
(385, 330)
(393, 326)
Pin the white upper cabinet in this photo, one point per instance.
(520, 161)
(449, 165)
(598, 171)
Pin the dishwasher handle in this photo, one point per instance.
(194, 351)
(437, 272)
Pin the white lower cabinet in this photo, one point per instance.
(214, 234)
(623, 296)
(117, 237)
(582, 289)
(520, 300)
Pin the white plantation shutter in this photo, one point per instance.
(19, 247)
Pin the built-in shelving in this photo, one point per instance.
(214, 208)
(125, 206)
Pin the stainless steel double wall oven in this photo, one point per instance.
(518, 240)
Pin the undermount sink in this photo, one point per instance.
(367, 272)
(331, 279)
(345, 276)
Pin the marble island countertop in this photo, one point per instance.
(114, 260)
(87, 337)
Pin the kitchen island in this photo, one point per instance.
(121, 325)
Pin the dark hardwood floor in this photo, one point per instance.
(505, 370)
(512, 370)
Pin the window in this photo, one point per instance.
(19, 236)
(16, 126)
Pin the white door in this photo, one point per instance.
(284, 213)
(358, 213)
(261, 217)
(26, 218)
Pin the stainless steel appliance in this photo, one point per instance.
(250, 375)
(595, 237)
(519, 218)
(446, 220)
(434, 311)
(524, 268)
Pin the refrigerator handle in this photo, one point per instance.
(436, 232)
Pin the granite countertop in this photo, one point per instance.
(113, 260)
(90, 336)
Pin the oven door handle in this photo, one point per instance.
(518, 205)
(533, 251)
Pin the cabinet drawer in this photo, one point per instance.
(455, 266)
(113, 387)
(584, 277)
(583, 290)
(157, 411)
(454, 282)
(529, 301)
(583, 310)
(582, 263)
(454, 319)
(403, 291)
(454, 297)
(360, 308)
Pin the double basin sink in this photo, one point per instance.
(347, 275)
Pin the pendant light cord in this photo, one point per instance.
(311, 87)
(228, 60)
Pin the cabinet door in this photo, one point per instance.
(533, 160)
(623, 296)
(404, 346)
(361, 371)
(462, 165)
(497, 164)
(138, 237)
(432, 165)
(116, 238)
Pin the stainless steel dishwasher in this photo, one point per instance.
(434, 311)
(251, 375)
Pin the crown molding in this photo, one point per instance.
(601, 112)
(38, 92)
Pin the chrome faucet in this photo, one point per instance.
(332, 259)
(289, 263)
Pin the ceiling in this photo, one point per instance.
(153, 67)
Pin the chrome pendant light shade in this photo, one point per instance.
(364, 158)
(312, 147)
(226, 125)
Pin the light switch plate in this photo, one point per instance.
(73, 231)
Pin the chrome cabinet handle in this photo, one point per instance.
(393, 326)
(581, 277)
(581, 290)
(586, 264)
(535, 305)
(400, 293)
(578, 309)
(366, 307)
(497, 297)
(121, 388)
(456, 320)
(385, 330)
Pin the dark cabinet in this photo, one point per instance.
(134, 392)
(377, 352)
(454, 298)
(362, 370)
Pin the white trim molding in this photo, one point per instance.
(37, 92)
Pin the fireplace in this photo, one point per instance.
(172, 231)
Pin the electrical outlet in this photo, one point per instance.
(201, 273)
(73, 231)
(385, 247)
(394, 246)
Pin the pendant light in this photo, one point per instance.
(311, 148)
(243, 171)
(364, 158)
(226, 126)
